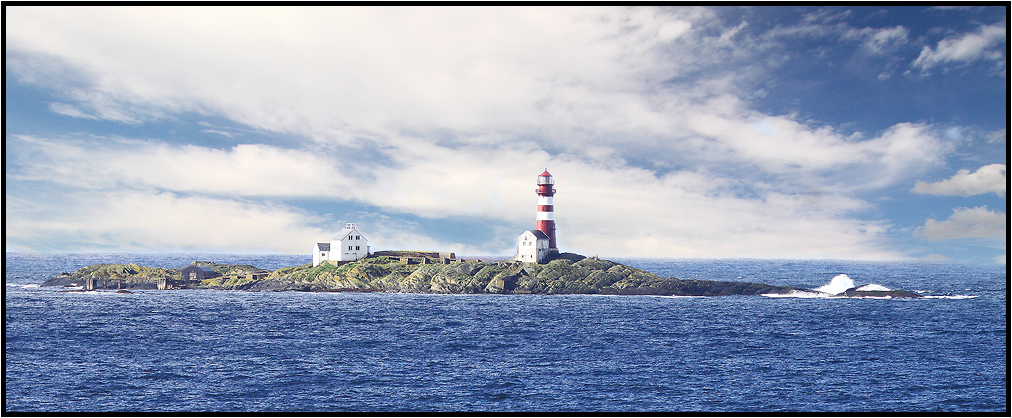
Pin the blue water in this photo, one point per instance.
(202, 350)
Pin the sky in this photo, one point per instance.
(859, 133)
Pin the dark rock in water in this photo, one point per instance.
(676, 287)
(63, 280)
(854, 293)
(124, 291)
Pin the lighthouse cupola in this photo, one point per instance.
(546, 178)
(545, 184)
(546, 207)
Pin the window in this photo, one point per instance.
(356, 248)
(349, 248)
(357, 237)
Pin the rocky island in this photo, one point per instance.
(394, 272)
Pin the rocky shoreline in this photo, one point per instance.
(565, 273)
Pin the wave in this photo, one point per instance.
(957, 297)
(25, 286)
(798, 294)
(838, 285)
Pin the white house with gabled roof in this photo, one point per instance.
(347, 245)
(532, 246)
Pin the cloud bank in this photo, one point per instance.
(642, 114)
(977, 222)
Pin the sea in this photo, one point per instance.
(234, 351)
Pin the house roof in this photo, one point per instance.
(539, 234)
(344, 232)
(323, 246)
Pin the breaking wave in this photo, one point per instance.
(838, 285)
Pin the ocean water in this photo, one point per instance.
(201, 350)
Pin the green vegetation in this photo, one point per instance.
(114, 276)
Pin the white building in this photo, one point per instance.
(346, 245)
(532, 246)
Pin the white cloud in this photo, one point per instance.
(1000, 135)
(603, 208)
(782, 145)
(886, 39)
(465, 105)
(373, 69)
(977, 222)
(564, 78)
(245, 170)
(987, 179)
(827, 24)
(874, 40)
(987, 43)
(160, 221)
(684, 214)
(389, 233)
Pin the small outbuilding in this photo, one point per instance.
(197, 273)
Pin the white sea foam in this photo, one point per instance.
(838, 285)
(951, 297)
(798, 294)
(874, 287)
(25, 286)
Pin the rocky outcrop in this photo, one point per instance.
(112, 276)
(854, 293)
(564, 273)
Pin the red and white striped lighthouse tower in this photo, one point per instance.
(546, 207)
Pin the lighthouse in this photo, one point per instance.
(546, 208)
(536, 245)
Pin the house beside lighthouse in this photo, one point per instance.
(536, 245)
(347, 245)
(532, 246)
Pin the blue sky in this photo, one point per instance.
(872, 133)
